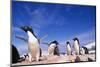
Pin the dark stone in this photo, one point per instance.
(90, 60)
(15, 54)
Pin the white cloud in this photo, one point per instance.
(90, 45)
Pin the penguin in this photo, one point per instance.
(76, 46)
(82, 51)
(53, 48)
(26, 56)
(68, 48)
(33, 44)
(85, 50)
(26, 40)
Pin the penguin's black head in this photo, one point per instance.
(75, 38)
(26, 28)
(55, 42)
(84, 47)
(67, 43)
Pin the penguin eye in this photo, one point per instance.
(25, 27)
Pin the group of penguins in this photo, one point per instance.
(35, 52)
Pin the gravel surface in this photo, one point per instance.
(58, 59)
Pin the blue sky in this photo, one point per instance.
(61, 22)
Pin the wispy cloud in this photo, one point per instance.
(90, 45)
(88, 36)
(40, 17)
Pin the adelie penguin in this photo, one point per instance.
(82, 51)
(76, 46)
(68, 47)
(53, 48)
(85, 50)
(33, 44)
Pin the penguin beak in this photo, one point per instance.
(73, 39)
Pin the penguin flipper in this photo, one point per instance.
(21, 38)
(40, 52)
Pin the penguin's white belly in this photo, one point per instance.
(33, 49)
(82, 51)
(51, 49)
(68, 50)
(76, 48)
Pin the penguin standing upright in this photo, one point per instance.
(82, 51)
(76, 46)
(53, 48)
(68, 46)
(33, 44)
(85, 50)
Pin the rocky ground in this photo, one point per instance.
(59, 59)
